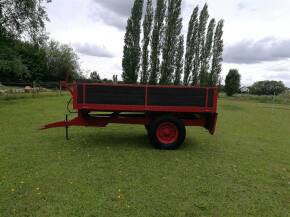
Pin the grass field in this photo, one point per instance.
(283, 98)
(244, 170)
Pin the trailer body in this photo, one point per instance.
(168, 108)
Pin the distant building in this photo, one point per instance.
(244, 89)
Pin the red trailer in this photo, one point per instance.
(163, 110)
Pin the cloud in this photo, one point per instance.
(241, 6)
(281, 76)
(112, 12)
(108, 17)
(279, 68)
(252, 52)
(120, 7)
(93, 50)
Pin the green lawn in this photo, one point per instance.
(244, 170)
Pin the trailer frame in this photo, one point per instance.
(205, 116)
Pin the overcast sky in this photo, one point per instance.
(256, 34)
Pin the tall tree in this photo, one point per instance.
(62, 62)
(115, 79)
(147, 29)
(23, 19)
(131, 51)
(206, 54)
(179, 61)
(203, 18)
(217, 58)
(232, 82)
(95, 76)
(172, 32)
(156, 41)
(190, 45)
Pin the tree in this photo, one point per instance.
(156, 41)
(179, 61)
(115, 79)
(147, 29)
(217, 58)
(203, 18)
(13, 70)
(172, 32)
(23, 19)
(62, 62)
(94, 76)
(131, 51)
(25, 54)
(206, 53)
(267, 88)
(21, 61)
(25, 62)
(232, 83)
(191, 45)
(35, 60)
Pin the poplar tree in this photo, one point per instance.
(131, 51)
(217, 57)
(206, 54)
(156, 41)
(147, 29)
(172, 32)
(191, 43)
(179, 61)
(203, 18)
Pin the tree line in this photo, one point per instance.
(267, 88)
(164, 56)
(26, 53)
(233, 85)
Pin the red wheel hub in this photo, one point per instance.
(167, 133)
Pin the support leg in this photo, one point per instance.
(66, 127)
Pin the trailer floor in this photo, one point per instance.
(243, 170)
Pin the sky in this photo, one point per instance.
(256, 34)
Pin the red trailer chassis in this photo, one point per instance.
(163, 110)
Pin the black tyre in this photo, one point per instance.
(167, 132)
(146, 127)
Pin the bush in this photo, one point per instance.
(267, 88)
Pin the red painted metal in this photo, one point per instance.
(207, 119)
(213, 121)
(167, 133)
(103, 121)
(66, 87)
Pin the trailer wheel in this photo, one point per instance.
(167, 132)
(146, 127)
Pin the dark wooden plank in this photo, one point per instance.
(176, 96)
